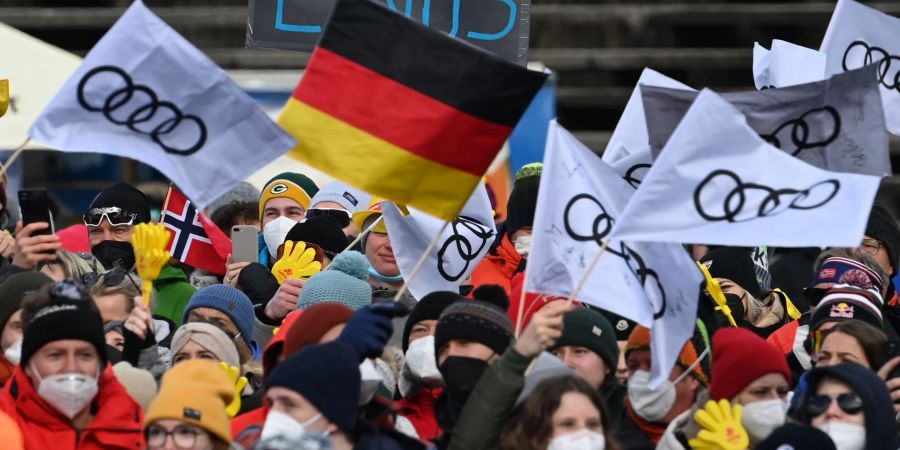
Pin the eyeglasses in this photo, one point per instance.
(184, 436)
(114, 215)
(341, 215)
(109, 279)
(848, 402)
(814, 295)
(870, 246)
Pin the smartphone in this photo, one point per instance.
(244, 243)
(34, 206)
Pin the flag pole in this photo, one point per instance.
(521, 312)
(421, 262)
(364, 233)
(587, 273)
(15, 155)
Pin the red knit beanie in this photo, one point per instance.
(739, 358)
(313, 324)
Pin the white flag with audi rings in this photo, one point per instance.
(145, 93)
(836, 124)
(858, 36)
(654, 284)
(718, 182)
(786, 64)
(463, 244)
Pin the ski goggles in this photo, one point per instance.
(850, 403)
(114, 215)
(342, 216)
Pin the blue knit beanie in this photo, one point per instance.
(327, 375)
(345, 282)
(234, 303)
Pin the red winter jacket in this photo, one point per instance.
(419, 410)
(116, 424)
(499, 266)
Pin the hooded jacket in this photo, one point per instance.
(500, 265)
(116, 423)
(881, 429)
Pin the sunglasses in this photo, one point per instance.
(114, 215)
(109, 279)
(848, 402)
(341, 215)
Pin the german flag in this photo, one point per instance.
(402, 111)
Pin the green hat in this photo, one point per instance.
(14, 290)
(295, 186)
(588, 328)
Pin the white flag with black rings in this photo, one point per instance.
(145, 93)
(718, 182)
(858, 36)
(654, 284)
(630, 134)
(786, 64)
(463, 244)
(836, 124)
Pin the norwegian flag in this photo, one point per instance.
(195, 240)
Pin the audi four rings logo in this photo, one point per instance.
(801, 134)
(464, 248)
(860, 53)
(137, 107)
(601, 227)
(748, 201)
(636, 173)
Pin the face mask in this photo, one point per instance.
(384, 278)
(279, 424)
(69, 393)
(114, 254)
(736, 304)
(461, 374)
(523, 244)
(761, 418)
(13, 354)
(421, 361)
(370, 379)
(583, 439)
(846, 436)
(274, 233)
(651, 405)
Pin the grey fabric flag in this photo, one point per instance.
(836, 124)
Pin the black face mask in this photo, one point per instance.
(114, 254)
(461, 374)
(737, 307)
(113, 354)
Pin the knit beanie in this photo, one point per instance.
(208, 336)
(844, 302)
(351, 198)
(242, 192)
(295, 186)
(883, 227)
(735, 264)
(792, 436)
(234, 303)
(125, 196)
(69, 314)
(523, 199)
(312, 324)
(139, 383)
(326, 375)
(640, 340)
(739, 358)
(587, 328)
(195, 392)
(622, 325)
(482, 319)
(345, 282)
(323, 231)
(429, 308)
(842, 270)
(15, 288)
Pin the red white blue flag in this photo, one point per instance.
(195, 240)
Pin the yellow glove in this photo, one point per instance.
(4, 96)
(298, 261)
(150, 255)
(239, 383)
(722, 429)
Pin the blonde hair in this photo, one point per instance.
(74, 265)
